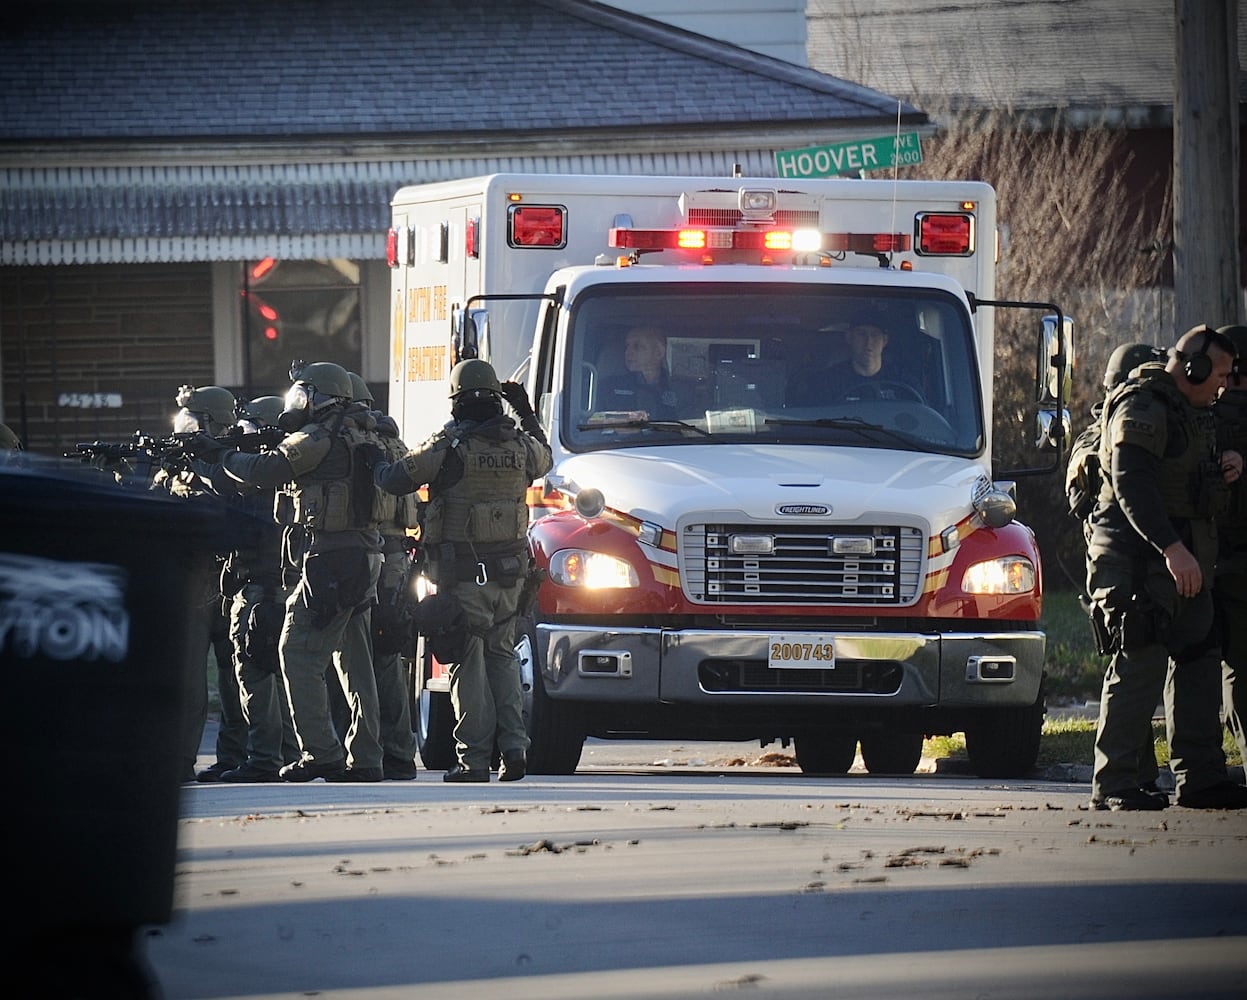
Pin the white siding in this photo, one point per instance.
(771, 27)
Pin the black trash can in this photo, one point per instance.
(95, 604)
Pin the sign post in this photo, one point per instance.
(850, 157)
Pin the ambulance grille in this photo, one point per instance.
(731, 218)
(808, 564)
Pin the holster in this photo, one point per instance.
(1100, 632)
(532, 583)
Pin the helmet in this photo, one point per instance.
(262, 411)
(474, 376)
(213, 400)
(327, 379)
(1237, 334)
(359, 389)
(1126, 358)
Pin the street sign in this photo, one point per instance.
(850, 157)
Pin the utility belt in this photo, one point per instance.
(448, 563)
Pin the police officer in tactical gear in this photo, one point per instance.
(474, 542)
(390, 629)
(1082, 487)
(1230, 589)
(1149, 573)
(207, 410)
(324, 487)
(251, 583)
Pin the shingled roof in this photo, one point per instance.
(226, 69)
(133, 130)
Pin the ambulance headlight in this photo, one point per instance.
(1007, 575)
(591, 570)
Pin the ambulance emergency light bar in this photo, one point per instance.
(938, 234)
(798, 240)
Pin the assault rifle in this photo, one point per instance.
(131, 463)
(135, 462)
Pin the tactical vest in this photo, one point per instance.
(487, 504)
(1153, 395)
(407, 506)
(333, 488)
(1082, 470)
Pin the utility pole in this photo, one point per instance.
(1206, 279)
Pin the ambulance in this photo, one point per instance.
(750, 532)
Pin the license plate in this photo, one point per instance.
(801, 651)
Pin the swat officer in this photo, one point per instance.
(473, 538)
(208, 410)
(1230, 591)
(1082, 488)
(324, 485)
(251, 583)
(390, 630)
(1149, 572)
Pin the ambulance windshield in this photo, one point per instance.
(793, 364)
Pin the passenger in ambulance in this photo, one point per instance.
(869, 371)
(647, 384)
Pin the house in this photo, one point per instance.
(198, 193)
(1080, 65)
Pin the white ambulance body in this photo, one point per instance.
(744, 549)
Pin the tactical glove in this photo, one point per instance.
(517, 396)
(204, 445)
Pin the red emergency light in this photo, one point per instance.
(944, 234)
(537, 226)
(391, 247)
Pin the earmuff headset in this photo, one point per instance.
(1197, 365)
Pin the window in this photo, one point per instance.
(308, 309)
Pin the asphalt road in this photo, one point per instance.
(674, 870)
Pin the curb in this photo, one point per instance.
(1069, 773)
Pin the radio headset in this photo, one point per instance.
(1197, 365)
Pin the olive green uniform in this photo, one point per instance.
(473, 541)
(257, 609)
(1230, 590)
(209, 633)
(1163, 486)
(390, 668)
(327, 489)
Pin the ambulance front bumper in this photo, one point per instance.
(654, 665)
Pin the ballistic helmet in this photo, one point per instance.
(215, 402)
(473, 376)
(1126, 359)
(327, 378)
(360, 393)
(262, 411)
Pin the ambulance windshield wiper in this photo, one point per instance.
(644, 423)
(871, 432)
